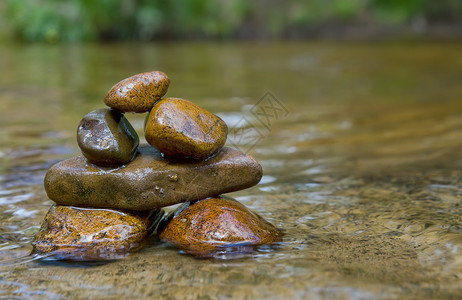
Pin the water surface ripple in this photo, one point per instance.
(363, 174)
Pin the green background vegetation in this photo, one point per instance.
(89, 20)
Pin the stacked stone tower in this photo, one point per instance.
(110, 198)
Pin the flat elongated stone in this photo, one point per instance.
(75, 233)
(180, 127)
(150, 180)
(137, 93)
(106, 138)
(214, 224)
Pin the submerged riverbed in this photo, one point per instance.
(360, 143)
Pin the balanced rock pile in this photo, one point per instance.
(109, 199)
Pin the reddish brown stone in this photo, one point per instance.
(138, 93)
(180, 127)
(74, 233)
(212, 224)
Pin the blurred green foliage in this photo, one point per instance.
(446, 11)
(89, 20)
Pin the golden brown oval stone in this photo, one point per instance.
(150, 180)
(75, 233)
(138, 93)
(180, 127)
(212, 224)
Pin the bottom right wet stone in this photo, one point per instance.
(216, 225)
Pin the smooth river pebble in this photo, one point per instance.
(181, 128)
(138, 93)
(106, 138)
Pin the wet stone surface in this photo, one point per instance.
(106, 138)
(86, 234)
(180, 127)
(138, 93)
(150, 180)
(212, 226)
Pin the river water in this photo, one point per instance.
(361, 146)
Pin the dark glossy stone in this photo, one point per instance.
(138, 93)
(106, 138)
(150, 180)
(214, 224)
(180, 127)
(75, 233)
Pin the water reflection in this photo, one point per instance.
(364, 174)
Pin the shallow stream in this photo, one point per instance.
(361, 146)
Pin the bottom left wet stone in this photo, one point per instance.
(84, 234)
